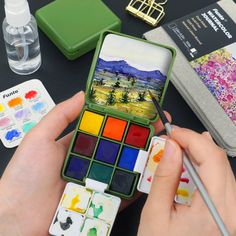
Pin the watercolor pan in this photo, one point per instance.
(85, 145)
(147, 164)
(83, 211)
(21, 108)
(115, 123)
(114, 129)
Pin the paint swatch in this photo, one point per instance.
(21, 108)
(66, 223)
(156, 150)
(105, 149)
(2, 108)
(23, 114)
(15, 102)
(4, 122)
(28, 126)
(31, 94)
(84, 212)
(94, 227)
(12, 135)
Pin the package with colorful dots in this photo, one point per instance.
(21, 108)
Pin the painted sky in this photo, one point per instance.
(138, 54)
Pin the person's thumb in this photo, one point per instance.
(166, 179)
(54, 123)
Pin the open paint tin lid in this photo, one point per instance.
(123, 70)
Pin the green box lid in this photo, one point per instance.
(74, 26)
(123, 69)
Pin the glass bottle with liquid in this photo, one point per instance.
(21, 38)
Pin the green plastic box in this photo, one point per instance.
(74, 26)
(107, 110)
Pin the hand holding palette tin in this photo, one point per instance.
(115, 123)
(21, 108)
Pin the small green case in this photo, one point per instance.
(74, 26)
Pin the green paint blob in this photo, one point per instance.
(28, 126)
(92, 232)
(96, 211)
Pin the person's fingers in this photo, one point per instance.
(53, 124)
(207, 134)
(210, 159)
(65, 141)
(166, 179)
(164, 136)
(158, 124)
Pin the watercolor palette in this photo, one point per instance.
(21, 108)
(84, 212)
(147, 164)
(115, 123)
(105, 148)
(113, 128)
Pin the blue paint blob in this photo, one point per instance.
(10, 135)
(77, 167)
(128, 158)
(107, 151)
(38, 107)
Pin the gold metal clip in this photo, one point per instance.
(147, 10)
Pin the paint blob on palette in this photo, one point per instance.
(153, 156)
(21, 108)
(82, 211)
(105, 148)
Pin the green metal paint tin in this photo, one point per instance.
(74, 26)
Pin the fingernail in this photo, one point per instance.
(176, 127)
(170, 149)
(79, 93)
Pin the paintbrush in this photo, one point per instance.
(192, 172)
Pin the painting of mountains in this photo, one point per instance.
(122, 83)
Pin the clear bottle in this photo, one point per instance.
(21, 38)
